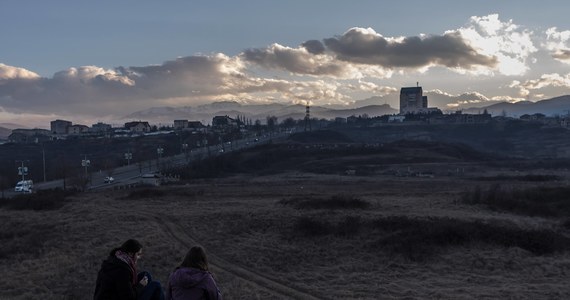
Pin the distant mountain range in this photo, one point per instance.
(550, 107)
(371, 107)
(205, 113)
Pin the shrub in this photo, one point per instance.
(417, 239)
(536, 201)
(41, 200)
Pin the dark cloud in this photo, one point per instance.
(314, 47)
(366, 47)
(297, 61)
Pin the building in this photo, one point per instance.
(196, 126)
(77, 129)
(412, 100)
(29, 135)
(180, 124)
(225, 123)
(138, 126)
(59, 126)
(100, 128)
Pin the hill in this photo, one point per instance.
(310, 230)
(5, 132)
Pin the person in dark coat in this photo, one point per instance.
(152, 291)
(117, 278)
(192, 280)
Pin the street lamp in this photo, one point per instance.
(185, 150)
(23, 171)
(85, 163)
(128, 157)
(159, 151)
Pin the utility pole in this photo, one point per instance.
(128, 157)
(85, 163)
(44, 161)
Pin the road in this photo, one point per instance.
(132, 173)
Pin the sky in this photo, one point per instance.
(90, 61)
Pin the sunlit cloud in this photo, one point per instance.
(509, 43)
(558, 43)
(9, 72)
(527, 87)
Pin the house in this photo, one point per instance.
(77, 129)
(138, 126)
(196, 126)
(100, 128)
(59, 127)
(180, 124)
(29, 135)
(225, 123)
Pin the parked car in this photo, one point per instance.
(109, 179)
(24, 186)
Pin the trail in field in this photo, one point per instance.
(272, 286)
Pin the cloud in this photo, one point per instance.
(527, 87)
(509, 43)
(100, 91)
(365, 46)
(558, 43)
(308, 59)
(358, 62)
(9, 72)
(371, 87)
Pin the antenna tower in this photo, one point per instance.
(307, 117)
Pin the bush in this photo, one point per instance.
(419, 239)
(41, 200)
(536, 201)
(334, 202)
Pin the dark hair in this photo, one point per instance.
(129, 246)
(196, 258)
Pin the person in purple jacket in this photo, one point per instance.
(192, 280)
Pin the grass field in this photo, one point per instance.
(305, 233)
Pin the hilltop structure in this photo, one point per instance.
(412, 101)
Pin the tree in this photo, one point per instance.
(288, 123)
(271, 123)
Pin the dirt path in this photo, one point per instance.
(272, 286)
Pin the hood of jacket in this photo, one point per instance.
(112, 264)
(188, 277)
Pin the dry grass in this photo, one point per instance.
(295, 235)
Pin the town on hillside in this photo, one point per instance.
(413, 110)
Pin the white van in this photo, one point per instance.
(24, 186)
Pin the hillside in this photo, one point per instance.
(5, 132)
(294, 224)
